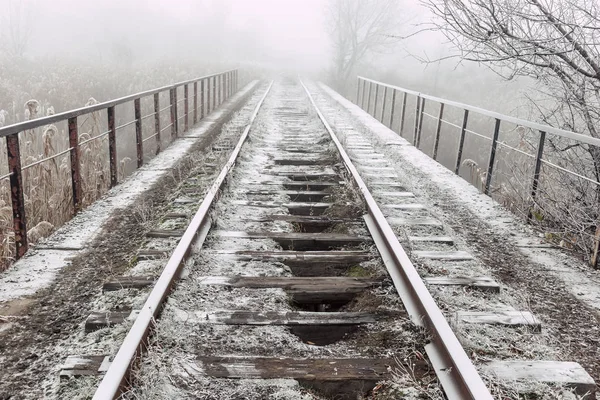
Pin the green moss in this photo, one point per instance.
(357, 271)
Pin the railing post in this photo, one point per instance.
(174, 122)
(403, 114)
(490, 170)
(357, 90)
(421, 122)
(375, 101)
(461, 141)
(139, 143)
(369, 97)
(208, 94)
(536, 172)
(436, 142)
(186, 108)
(16, 194)
(112, 146)
(202, 99)
(195, 102)
(385, 91)
(157, 121)
(214, 92)
(418, 104)
(392, 109)
(363, 94)
(75, 171)
(221, 82)
(226, 91)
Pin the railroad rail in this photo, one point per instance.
(282, 262)
(455, 372)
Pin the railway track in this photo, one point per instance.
(287, 271)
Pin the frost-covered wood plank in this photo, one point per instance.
(176, 215)
(443, 255)
(325, 283)
(314, 369)
(481, 283)
(507, 318)
(300, 240)
(83, 365)
(341, 256)
(104, 319)
(295, 236)
(302, 161)
(406, 206)
(305, 290)
(165, 233)
(432, 239)
(397, 221)
(393, 194)
(312, 185)
(287, 318)
(570, 374)
(128, 282)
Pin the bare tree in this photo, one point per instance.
(17, 26)
(557, 43)
(359, 28)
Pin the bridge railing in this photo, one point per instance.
(404, 110)
(200, 97)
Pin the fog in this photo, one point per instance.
(130, 37)
(273, 33)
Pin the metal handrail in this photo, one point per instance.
(363, 99)
(36, 123)
(11, 133)
(522, 122)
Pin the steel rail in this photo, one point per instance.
(518, 121)
(35, 123)
(455, 371)
(118, 373)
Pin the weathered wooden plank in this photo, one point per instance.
(105, 319)
(507, 318)
(84, 365)
(176, 215)
(296, 208)
(396, 221)
(433, 239)
(443, 255)
(405, 206)
(298, 238)
(387, 184)
(344, 256)
(306, 176)
(304, 161)
(303, 290)
(313, 369)
(290, 185)
(481, 283)
(570, 374)
(286, 318)
(394, 194)
(325, 283)
(128, 282)
(164, 233)
(304, 263)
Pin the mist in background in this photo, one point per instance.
(114, 47)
